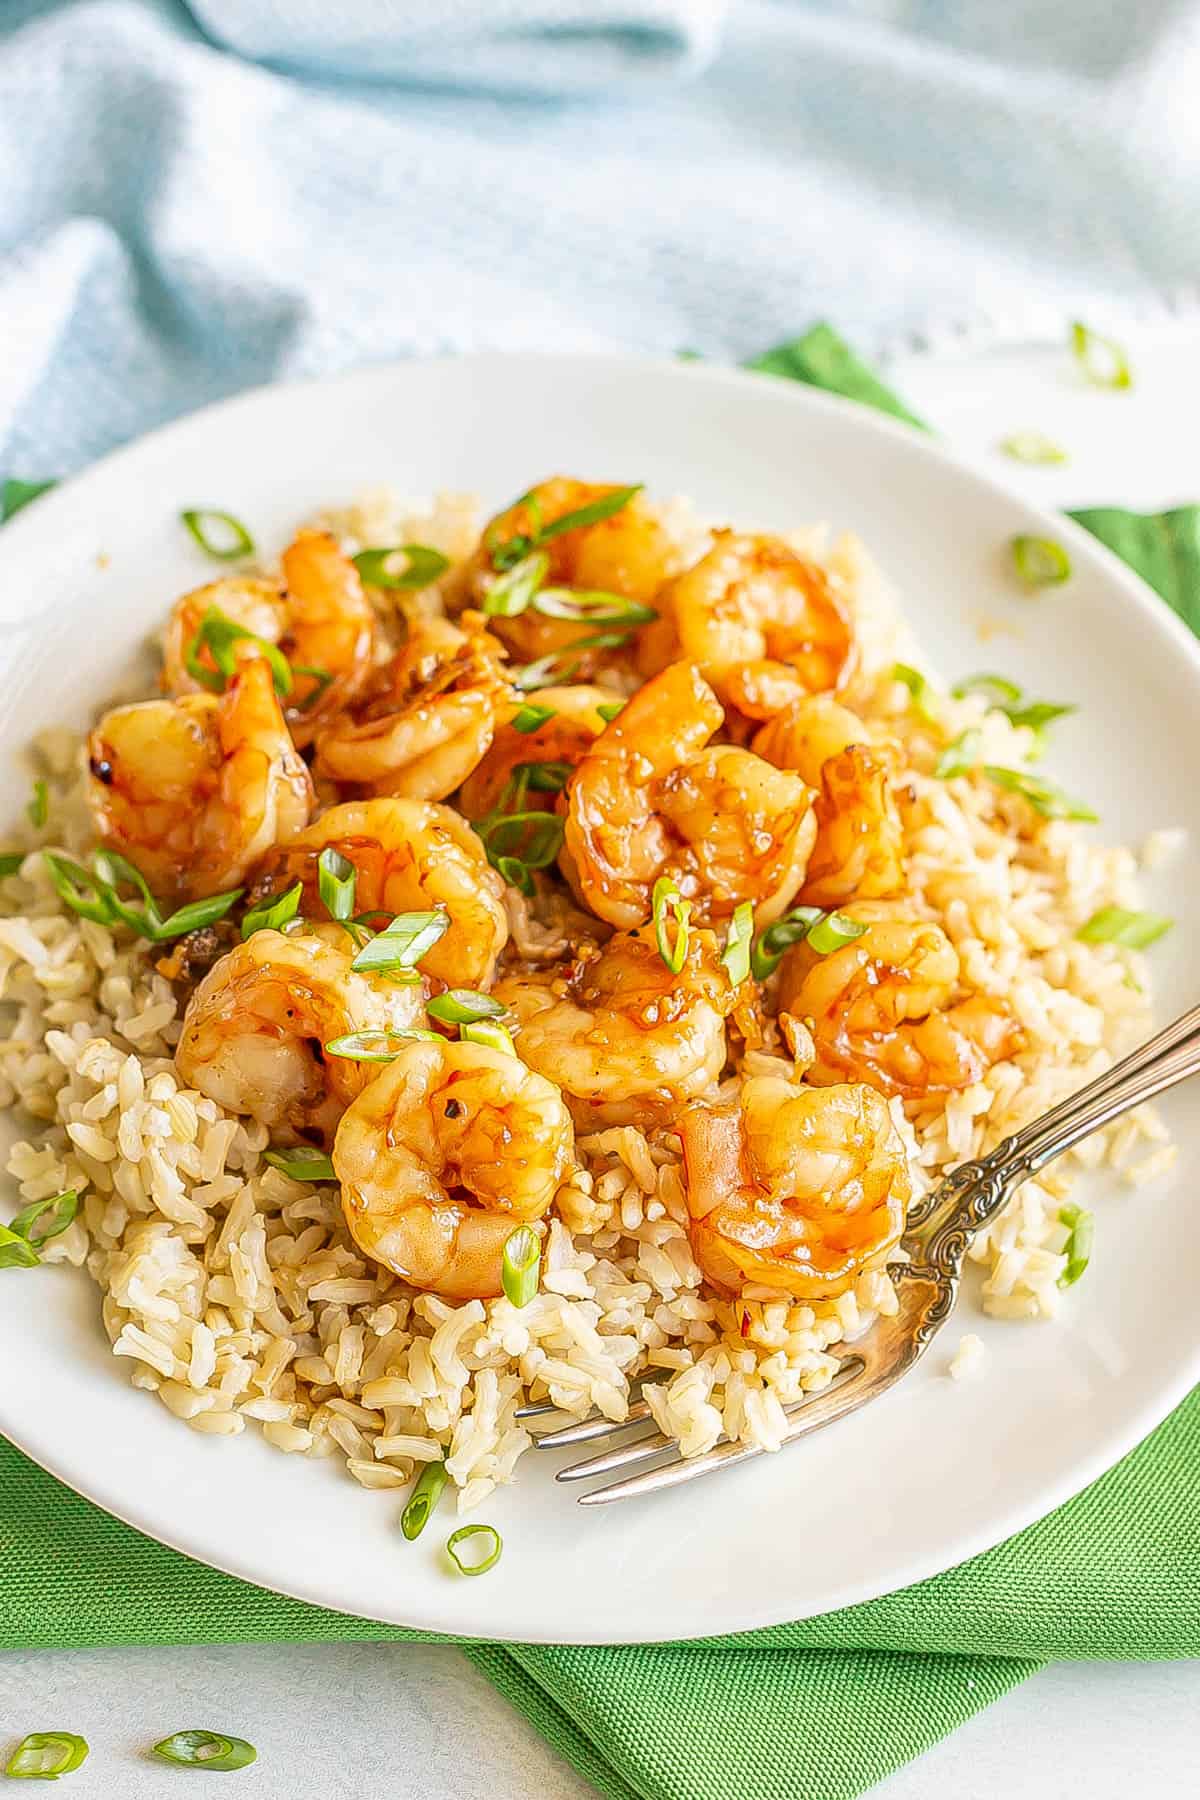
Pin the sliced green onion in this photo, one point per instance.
(11, 862)
(232, 539)
(45, 1755)
(824, 931)
(323, 679)
(544, 777)
(591, 514)
(590, 608)
(1132, 930)
(1042, 795)
(610, 709)
(515, 872)
(511, 594)
(16, 1252)
(336, 881)
(489, 1034)
(924, 699)
(736, 955)
(274, 913)
(206, 1750)
(39, 806)
(959, 756)
(1003, 695)
(403, 943)
(1040, 561)
(493, 1544)
(521, 1265)
(302, 1164)
(462, 1006)
(1032, 447)
(560, 665)
(422, 566)
(62, 1209)
(505, 553)
(84, 893)
(423, 1499)
(531, 718)
(832, 932)
(218, 634)
(93, 895)
(530, 839)
(195, 916)
(1102, 359)
(377, 1046)
(15, 494)
(1078, 1248)
(669, 905)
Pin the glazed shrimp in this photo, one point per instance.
(859, 852)
(319, 617)
(795, 1188)
(193, 791)
(450, 1148)
(427, 718)
(883, 1008)
(650, 799)
(574, 727)
(623, 1037)
(410, 856)
(764, 624)
(254, 1030)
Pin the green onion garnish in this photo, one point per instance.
(39, 805)
(736, 955)
(959, 756)
(591, 514)
(403, 943)
(377, 1046)
(336, 881)
(1132, 930)
(511, 594)
(531, 718)
(489, 1034)
(1042, 795)
(93, 895)
(194, 916)
(669, 905)
(521, 1265)
(1032, 447)
(1003, 695)
(421, 567)
(505, 554)
(274, 913)
(231, 540)
(45, 1755)
(462, 1006)
(423, 1499)
(302, 1164)
(832, 932)
(492, 1545)
(560, 665)
(1078, 1248)
(1102, 359)
(217, 634)
(1039, 561)
(206, 1750)
(824, 931)
(518, 843)
(610, 709)
(589, 608)
(16, 1252)
(62, 1209)
(11, 862)
(544, 777)
(15, 494)
(924, 700)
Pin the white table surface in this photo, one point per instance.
(359, 1720)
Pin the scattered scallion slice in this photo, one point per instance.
(833, 932)
(16, 1252)
(512, 592)
(492, 1545)
(39, 805)
(544, 777)
(206, 1750)
(669, 906)
(423, 1499)
(521, 1265)
(824, 931)
(231, 539)
(11, 862)
(531, 718)
(924, 700)
(1102, 359)
(83, 892)
(15, 494)
(488, 1033)
(519, 842)
(590, 608)
(93, 894)
(45, 1755)
(561, 665)
(218, 635)
(594, 513)
(1132, 930)
(421, 567)
(194, 916)
(59, 1212)
(274, 913)
(302, 1164)
(1040, 561)
(462, 1006)
(959, 756)
(336, 880)
(1032, 447)
(1042, 795)
(736, 955)
(377, 1046)
(1003, 695)
(610, 709)
(504, 553)
(403, 943)
(1078, 1248)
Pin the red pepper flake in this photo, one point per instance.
(745, 1325)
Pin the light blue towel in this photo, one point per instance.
(195, 201)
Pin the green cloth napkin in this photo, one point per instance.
(817, 1710)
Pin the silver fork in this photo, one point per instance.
(937, 1236)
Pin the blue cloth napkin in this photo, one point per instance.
(194, 201)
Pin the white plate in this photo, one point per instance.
(937, 1470)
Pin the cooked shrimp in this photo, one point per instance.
(574, 727)
(449, 1149)
(319, 617)
(254, 1030)
(764, 624)
(882, 1009)
(194, 790)
(860, 842)
(427, 718)
(794, 1188)
(649, 799)
(623, 1037)
(410, 856)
